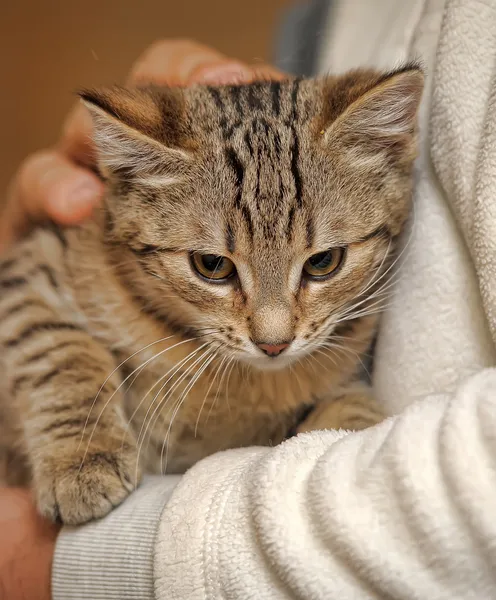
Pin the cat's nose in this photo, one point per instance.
(273, 349)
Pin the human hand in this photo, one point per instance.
(59, 184)
(27, 544)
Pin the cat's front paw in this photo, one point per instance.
(76, 489)
(352, 411)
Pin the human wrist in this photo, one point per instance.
(26, 548)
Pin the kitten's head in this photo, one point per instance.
(258, 217)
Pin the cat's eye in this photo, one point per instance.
(213, 267)
(324, 264)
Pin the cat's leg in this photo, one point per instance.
(14, 470)
(354, 408)
(81, 456)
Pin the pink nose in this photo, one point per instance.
(273, 349)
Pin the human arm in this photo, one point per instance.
(402, 510)
(27, 544)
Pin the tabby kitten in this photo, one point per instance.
(222, 295)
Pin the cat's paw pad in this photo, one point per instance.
(79, 492)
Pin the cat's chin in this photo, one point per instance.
(268, 364)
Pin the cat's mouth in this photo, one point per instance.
(265, 363)
(273, 357)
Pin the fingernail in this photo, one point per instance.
(226, 74)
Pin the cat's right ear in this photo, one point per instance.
(138, 132)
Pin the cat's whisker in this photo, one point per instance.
(151, 421)
(211, 383)
(244, 373)
(219, 387)
(115, 391)
(295, 373)
(372, 281)
(349, 313)
(336, 347)
(363, 312)
(313, 357)
(207, 330)
(208, 392)
(334, 336)
(320, 351)
(168, 394)
(386, 286)
(309, 361)
(366, 313)
(337, 317)
(230, 366)
(162, 378)
(140, 368)
(176, 368)
(339, 347)
(377, 272)
(180, 402)
(378, 308)
(333, 351)
(345, 339)
(234, 363)
(381, 291)
(109, 377)
(157, 413)
(405, 249)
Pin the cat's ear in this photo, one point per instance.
(138, 132)
(384, 116)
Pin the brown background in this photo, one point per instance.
(50, 48)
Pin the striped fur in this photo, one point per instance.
(117, 358)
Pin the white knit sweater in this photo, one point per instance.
(401, 511)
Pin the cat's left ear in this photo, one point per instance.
(382, 111)
(138, 132)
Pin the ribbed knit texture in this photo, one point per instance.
(113, 558)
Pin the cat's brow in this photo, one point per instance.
(147, 249)
(381, 231)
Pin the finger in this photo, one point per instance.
(228, 72)
(221, 72)
(264, 71)
(76, 141)
(171, 62)
(183, 62)
(49, 185)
